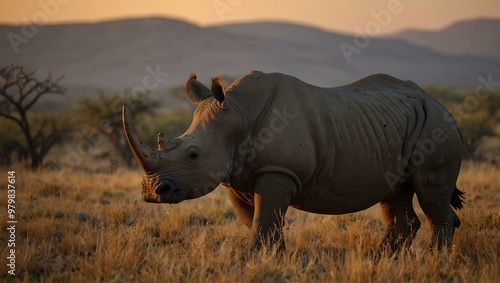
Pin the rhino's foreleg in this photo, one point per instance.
(402, 222)
(272, 196)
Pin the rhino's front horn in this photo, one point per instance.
(147, 157)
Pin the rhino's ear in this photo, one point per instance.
(218, 90)
(196, 91)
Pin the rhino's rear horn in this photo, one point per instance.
(166, 144)
(161, 141)
(147, 157)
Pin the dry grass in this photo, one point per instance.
(82, 227)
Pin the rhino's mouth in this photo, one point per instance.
(162, 191)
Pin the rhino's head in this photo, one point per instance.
(194, 163)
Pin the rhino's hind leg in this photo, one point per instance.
(442, 220)
(402, 222)
(434, 198)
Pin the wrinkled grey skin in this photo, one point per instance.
(275, 141)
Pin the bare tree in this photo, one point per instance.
(19, 92)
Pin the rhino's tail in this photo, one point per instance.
(457, 199)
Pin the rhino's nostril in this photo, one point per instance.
(164, 188)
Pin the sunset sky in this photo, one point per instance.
(337, 15)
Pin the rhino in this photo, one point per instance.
(274, 141)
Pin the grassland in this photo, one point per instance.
(94, 227)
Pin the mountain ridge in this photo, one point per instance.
(121, 53)
(480, 36)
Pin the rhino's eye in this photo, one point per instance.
(194, 155)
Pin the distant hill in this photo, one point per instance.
(120, 54)
(394, 56)
(473, 37)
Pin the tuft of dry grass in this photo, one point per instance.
(83, 227)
